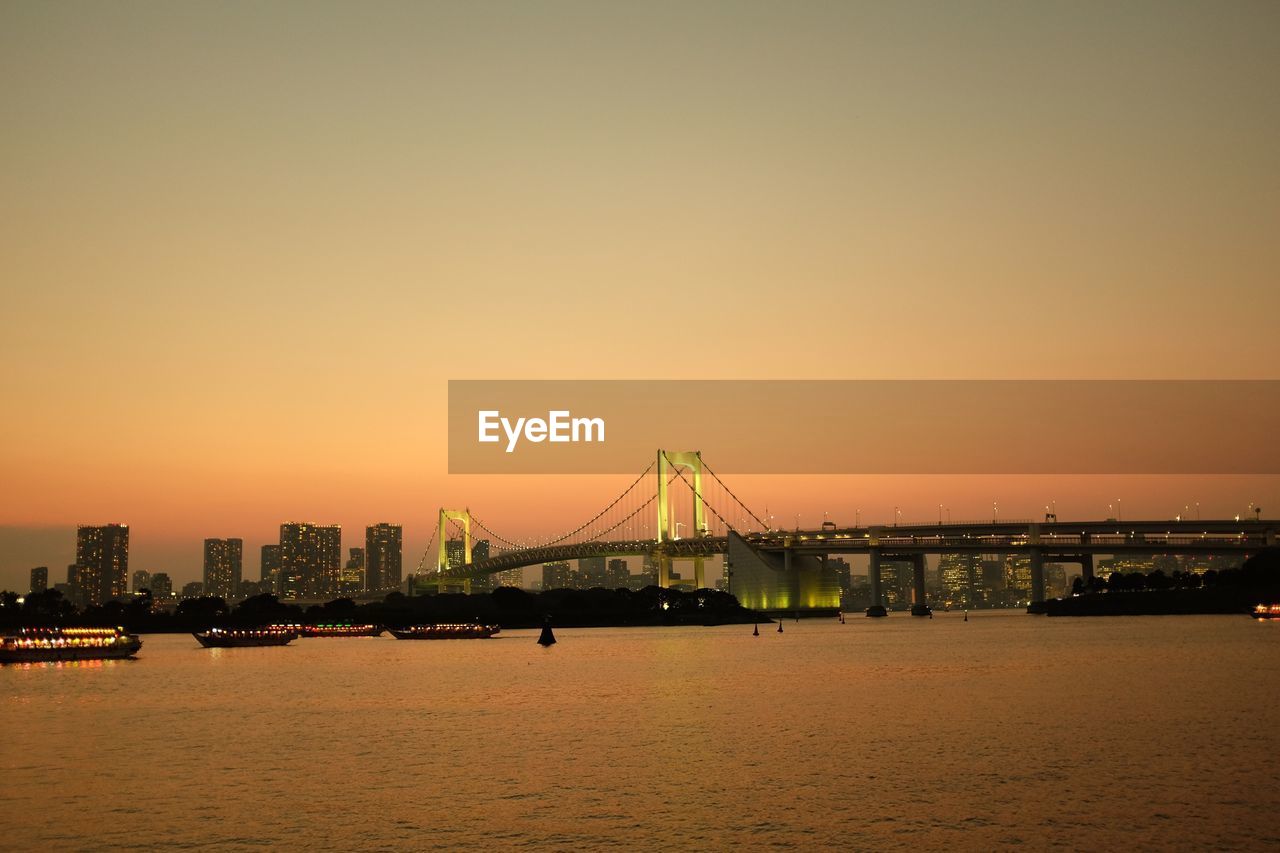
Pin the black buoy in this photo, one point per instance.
(779, 624)
(966, 616)
(546, 638)
(755, 632)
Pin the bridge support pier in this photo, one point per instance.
(1037, 575)
(877, 607)
(919, 606)
(1086, 567)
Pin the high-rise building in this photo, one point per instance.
(1017, 578)
(310, 560)
(992, 592)
(382, 555)
(352, 579)
(483, 583)
(618, 574)
(161, 585)
(511, 577)
(1055, 580)
(195, 589)
(102, 554)
(557, 576)
(141, 580)
(961, 574)
(75, 594)
(269, 568)
(897, 582)
(39, 578)
(223, 560)
(591, 572)
(455, 554)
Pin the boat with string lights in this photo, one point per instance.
(234, 638)
(1266, 611)
(39, 645)
(465, 631)
(340, 630)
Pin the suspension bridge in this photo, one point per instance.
(785, 570)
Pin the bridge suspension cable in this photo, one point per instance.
(729, 492)
(602, 512)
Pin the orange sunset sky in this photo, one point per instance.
(244, 246)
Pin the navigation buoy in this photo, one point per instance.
(966, 616)
(755, 632)
(546, 638)
(779, 626)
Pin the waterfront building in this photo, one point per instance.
(39, 578)
(102, 555)
(195, 589)
(351, 580)
(141, 580)
(310, 560)
(269, 568)
(223, 560)
(382, 557)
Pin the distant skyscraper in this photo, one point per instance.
(269, 568)
(310, 560)
(102, 553)
(897, 581)
(223, 560)
(73, 584)
(511, 577)
(617, 575)
(382, 556)
(195, 589)
(161, 585)
(592, 572)
(353, 573)
(141, 580)
(960, 576)
(1017, 578)
(455, 554)
(39, 578)
(1055, 580)
(557, 576)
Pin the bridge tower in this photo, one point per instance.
(690, 460)
(442, 555)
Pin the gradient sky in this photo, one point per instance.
(243, 246)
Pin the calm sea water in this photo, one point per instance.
(1007, 729)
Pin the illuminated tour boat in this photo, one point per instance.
(1266, 611)
(445, 632)
(339, 630)
(31, 645)
(232, 638)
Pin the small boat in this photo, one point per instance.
(340, 630)
(234, 638)
(37, 645)
(435, 631)
(1266, 611)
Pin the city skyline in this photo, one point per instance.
(905, 191)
